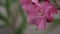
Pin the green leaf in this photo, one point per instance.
(5, 19)
(8, 3)
(57, 21)
(24, 21)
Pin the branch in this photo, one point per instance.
(58, 7)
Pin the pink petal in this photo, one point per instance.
(30, 8)
(49, 10)
(54, 10)
(42, 24)
(35, 1)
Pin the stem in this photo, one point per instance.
(58, 7)
(14, 17)
(7, 7)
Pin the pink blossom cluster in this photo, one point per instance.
(38, 13)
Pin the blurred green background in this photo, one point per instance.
(13, 20)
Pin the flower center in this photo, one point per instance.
(40, 12)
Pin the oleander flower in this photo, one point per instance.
(49, 10)
(38, 13)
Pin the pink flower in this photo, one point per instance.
(48, 9)
(37, 14)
